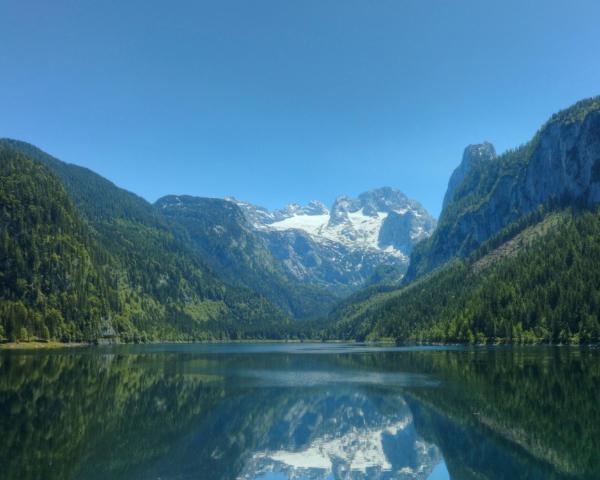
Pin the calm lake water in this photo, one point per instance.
(300, 411)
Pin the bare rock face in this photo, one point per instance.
(342, 247)
(404, 231)
(342, 206)
(565, 164)
(559, 167)
(473, 156)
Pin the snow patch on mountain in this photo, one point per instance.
(355, 223)
(358, 231)
(312, 224)
(346, 243)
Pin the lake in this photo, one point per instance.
(300, 411)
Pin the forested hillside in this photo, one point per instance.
(542, 284)
(516, 253)
(560, 165)
(52, 279)
(515, 257)
(116, 268)
(221, 234)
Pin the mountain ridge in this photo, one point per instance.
(560, 165)
(515, 255)
(341, 247)
(155, 286)
(225, 240)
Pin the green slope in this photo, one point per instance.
(51, 280)
(150, 283)
(500, 265)
(559, 166)
(222, 236)
(538, 281)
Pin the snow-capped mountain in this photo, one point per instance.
(342, 246)
(220, 233)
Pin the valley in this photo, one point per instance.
(315, 240)
(512, 259)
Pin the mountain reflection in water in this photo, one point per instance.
(300, 412)
(354, 435)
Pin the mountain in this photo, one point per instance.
(541, 284)
(186, 267)
(222, 235)
(516, 253)
(340, 248)
(514, 258)
(560, 165)
(473, 157)
(89, 260)
(52, 279)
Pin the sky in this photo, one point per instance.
(279, 101)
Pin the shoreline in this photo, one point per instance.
(54, 345)
(41, 345)
(51, 345)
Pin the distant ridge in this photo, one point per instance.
(342, 247)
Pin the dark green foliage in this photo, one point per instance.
(548, 292)
(385, 276)
(50, 281)
(108, 266)
(95, 197)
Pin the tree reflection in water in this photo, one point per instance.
(137, 413)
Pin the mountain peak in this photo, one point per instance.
(340, 208)
(473, 155)
(315, 207)
(478, 152)
(344, 245)
(384, 199)
(312, 208)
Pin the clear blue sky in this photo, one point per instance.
(276, 101)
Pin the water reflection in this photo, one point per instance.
(352, 435)
(306, 412)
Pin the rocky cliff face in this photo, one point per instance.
(473, 156)
(341, 247)
(559, 166)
